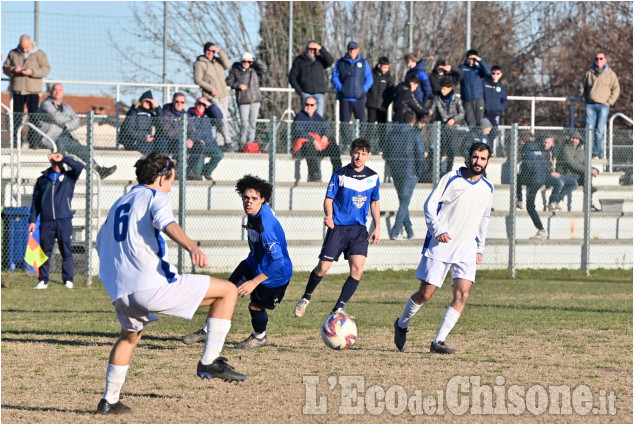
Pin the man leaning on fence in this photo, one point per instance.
(27, 66)
(58, 120)
(405, 154)
(52, 196)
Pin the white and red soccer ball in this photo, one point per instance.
(339, 331)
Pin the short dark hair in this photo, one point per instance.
(410, 57)
(440, 62)
(445, 82)
(177, 94)
(360, 144)
(207, 46)
(409, 117)
(263, 187)
(480, 146)
(383, 60)
(471, 52)
(413, 79)
(497, 68)
(153, 165)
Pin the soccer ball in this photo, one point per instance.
(339, 331)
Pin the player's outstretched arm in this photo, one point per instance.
(374, 212)
(177, 234)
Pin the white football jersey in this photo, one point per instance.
(130, 246)
(461, 208)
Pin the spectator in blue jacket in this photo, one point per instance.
(136, 130)
(475, 70)
(52, 196)
(418, 68)
(352, 78)
(169, 133)
(534, 169)
(495, 96)
(204, 116)
(405, 154)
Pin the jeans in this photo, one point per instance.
(562, 186)
(319, 97)
(199, 167)
(596, 116)
(248, 117)
(405, 186)
(223, 137)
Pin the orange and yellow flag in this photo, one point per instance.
(34, 255)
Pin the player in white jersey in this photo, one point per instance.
(457, 214)
(140, 281)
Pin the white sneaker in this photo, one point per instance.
(300, 307)
(69, 284)
(42, 285)
(541, 234)
(554, 206)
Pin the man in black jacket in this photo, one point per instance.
(136, 130)
(405, 100)
(381, 93)
(52, 196)
(307, 73)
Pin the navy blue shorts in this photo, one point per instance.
(262, 296)
(350, 240)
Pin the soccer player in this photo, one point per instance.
(353, 189)
(265, 274)
(139, 280)
(457, 214)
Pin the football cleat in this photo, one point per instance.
(341, 311)
(441, 348)
(253, 342)
(219, 369)
(117, 408)
(194, 337)
(400, 336)
(301, 306)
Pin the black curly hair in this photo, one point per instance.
(263, 187)
(152, 166)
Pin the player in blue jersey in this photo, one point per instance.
(457, 215)
(265, 274)
(140, 281)
(352, 191)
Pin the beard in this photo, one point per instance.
(476, 172)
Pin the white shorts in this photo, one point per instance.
(434, 271)
(180, 299)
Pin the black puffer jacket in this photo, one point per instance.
(405, 101)
(307, 76)
(382, 92)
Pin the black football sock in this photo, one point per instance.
(314, 281)
(349, 288)
(259, 319)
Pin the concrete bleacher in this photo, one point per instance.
(214, 214)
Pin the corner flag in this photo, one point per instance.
(34, 256)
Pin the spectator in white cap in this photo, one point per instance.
(244, 78)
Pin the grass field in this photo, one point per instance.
(517, 340)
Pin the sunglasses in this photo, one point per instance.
(310, 104)
(178, 102)
(600, 59)
(246, 61)
(311, 48)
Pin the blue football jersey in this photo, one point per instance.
(268, 244)
(352, 192)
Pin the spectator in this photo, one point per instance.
(405, 101)
(136, 130)
(534, 170)
(202, 116)
(600, 89)
(244, 78)
(352, 78)
(26, 65)
(448, 109)
(307, 73)
(562, 185)
(571, 163)
(52, 196)
(169, 134)
(209, 75)
(474, 72)
(59, 123)
(495, 96)
(381, 93)
(405, 155)
(311, 134)
(443, 69)
(418, 68)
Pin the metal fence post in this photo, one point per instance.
(586, 208)
(272, 160)
(436, 152)
(182, 166)
(513, 182)
(88, 228)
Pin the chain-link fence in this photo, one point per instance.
(586, 215)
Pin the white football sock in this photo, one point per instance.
(259, 336)
(217, 330)
(115, 377)
(449, 320)
(409, 312)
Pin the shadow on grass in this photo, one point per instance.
(46, 409)
(552, 308)
(111, 336)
